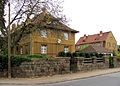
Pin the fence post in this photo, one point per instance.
(106, 61)
(80, 62)
(94, 59)
(115, 61)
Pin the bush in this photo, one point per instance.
(61, 54)
(73, 67)
(101, 55)
(97, 55)
(92, 54)
(81, 54)
(87, 55)
(37, 56)
(75, 54)
(16, 60)
(68, 54)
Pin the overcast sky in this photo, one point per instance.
(92, 16)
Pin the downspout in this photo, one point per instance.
(30, 43)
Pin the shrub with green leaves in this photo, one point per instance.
(101, 55)
(97, 55)
(16, 60)
(92, 54)
(37, 56)
(81, 54)
(61, 54)
(68, 54)
(87, 55)
(75, 54)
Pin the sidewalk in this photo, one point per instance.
(58, 78)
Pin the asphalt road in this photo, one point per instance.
(104, 80)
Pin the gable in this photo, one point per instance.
(93, 38)
(109, 38)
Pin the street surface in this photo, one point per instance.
(104, 80)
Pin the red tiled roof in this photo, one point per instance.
(95, 49)
(61, 26)
(93, 38)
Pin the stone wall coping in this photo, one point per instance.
(50, 58)
(105, 56)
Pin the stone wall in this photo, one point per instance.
(116, 61)
(42, 67)
(51, 66)
(87, 64)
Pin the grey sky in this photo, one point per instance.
(92, 16)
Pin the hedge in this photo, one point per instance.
(77, 54)
(37, 56)
(16, 60)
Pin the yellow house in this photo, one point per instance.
(106, 40)
(55, 37)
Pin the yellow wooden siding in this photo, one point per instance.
(111, 42)
(51, 41)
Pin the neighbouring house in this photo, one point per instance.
(96, 49)
(50, 40)
(106, 40)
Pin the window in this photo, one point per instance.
(111, 38)
(43, 33)
(79, 47)
(99, 44)
(26, 49)
(108, 44)
(21, 51)
(114, 45)
(66, 36)
(66, 49)
(44, 49)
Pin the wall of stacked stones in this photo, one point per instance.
(116, 62)
(88, 64)
(42, 67)
(62, 65)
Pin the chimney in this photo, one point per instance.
(85, 36)
(44, 11)
(13, 27)
(101, 33)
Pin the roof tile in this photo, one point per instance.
(93, 38)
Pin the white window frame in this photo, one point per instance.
(44, 33)
(79, 46)
(99, 44)
(66, 49)
(108, 44)
(114, 45)
(43, 49)
(21, 50)
(111, 38)
(66, 37)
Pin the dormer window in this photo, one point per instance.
(43, 33)
(66, 36)
(111, 38)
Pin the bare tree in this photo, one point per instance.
(22, 12)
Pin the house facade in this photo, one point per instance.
(106, 40)
(48, 40)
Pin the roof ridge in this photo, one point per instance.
(98, 33)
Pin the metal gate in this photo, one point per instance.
(111, 62)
